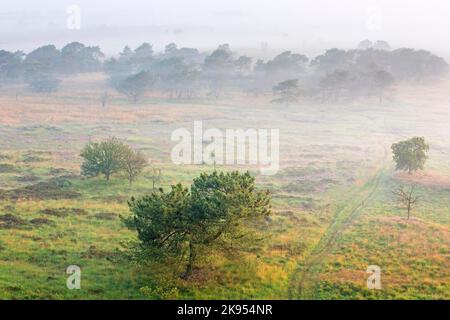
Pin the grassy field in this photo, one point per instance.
(333, 210)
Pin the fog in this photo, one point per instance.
(306, 26)
(224, 149)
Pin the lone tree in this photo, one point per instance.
(133, 163)
(410, 155)
(190, 224)
(406, 197)
(287, 92)
(106, 157)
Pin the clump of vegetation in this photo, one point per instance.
(45, 190)
(27, 178)
(59, 171)
(32, 157)
(110, 157)
(10, 221)
(4, 156)
(63, 212)
(161, 292)
(93, 252)
(105, 216)
(191, 223)
(410, 155)
(41, 221)
(7, 168)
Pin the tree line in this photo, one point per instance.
(42, 67)
(368, 70)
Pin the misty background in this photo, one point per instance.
(260, 28)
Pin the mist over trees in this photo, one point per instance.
(286, 92)
(43, 67)
(11, 65)
(370, 70)
(73, 58)
(284, 66)
(44, 83)
(135, 86)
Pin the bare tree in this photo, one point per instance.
(406, 197)
(133, 163)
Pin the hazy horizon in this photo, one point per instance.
(305, 26)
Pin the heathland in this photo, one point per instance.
(334, 213)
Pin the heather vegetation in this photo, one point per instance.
(87, 179)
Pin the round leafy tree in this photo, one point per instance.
(410, 155)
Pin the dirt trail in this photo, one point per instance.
(303, 277)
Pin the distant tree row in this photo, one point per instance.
(336, 74)
(186, 72)
(41, 67)
(403, 64)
